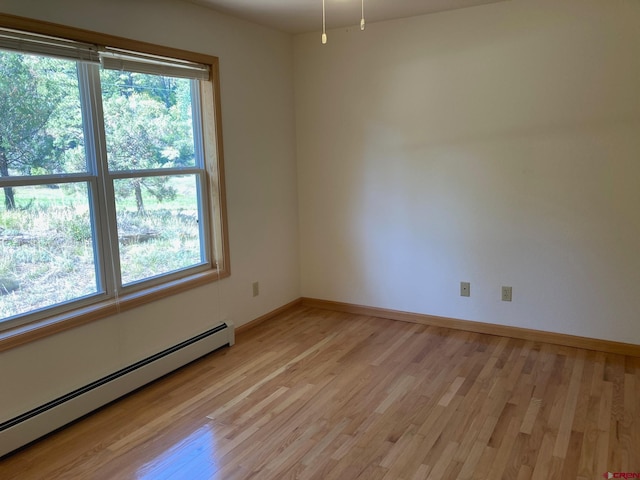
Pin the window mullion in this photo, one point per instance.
(102, 201)
(156, 172)
(21, 181)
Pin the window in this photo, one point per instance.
(110, 174)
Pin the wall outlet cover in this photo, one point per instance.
(507, 294)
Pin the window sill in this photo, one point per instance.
(37, 330)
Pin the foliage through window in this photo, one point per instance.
(104, 185)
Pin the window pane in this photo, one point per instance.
(148, 121)
(158, 225)
(46, 248)
(41, 128)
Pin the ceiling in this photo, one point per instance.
(301, 16)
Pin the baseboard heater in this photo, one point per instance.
(30, 426)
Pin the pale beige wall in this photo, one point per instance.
(498, 144)
(258, 129)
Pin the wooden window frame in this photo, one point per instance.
(214, 161)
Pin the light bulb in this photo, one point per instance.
(324, 38)
(362, 24)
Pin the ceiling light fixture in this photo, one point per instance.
(362, 18)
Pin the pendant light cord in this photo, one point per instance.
(324, 21)
(324, 26)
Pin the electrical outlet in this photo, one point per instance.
(256, 289)
(465, 289)
(506, 294)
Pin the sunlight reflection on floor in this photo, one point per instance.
(192, 457)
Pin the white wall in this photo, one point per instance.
(259, 143)
(498, 144)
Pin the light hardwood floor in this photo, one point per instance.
(324, 395)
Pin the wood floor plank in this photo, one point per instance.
(503, 453)
(568, 412)
(440, 467)
(320, 395)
